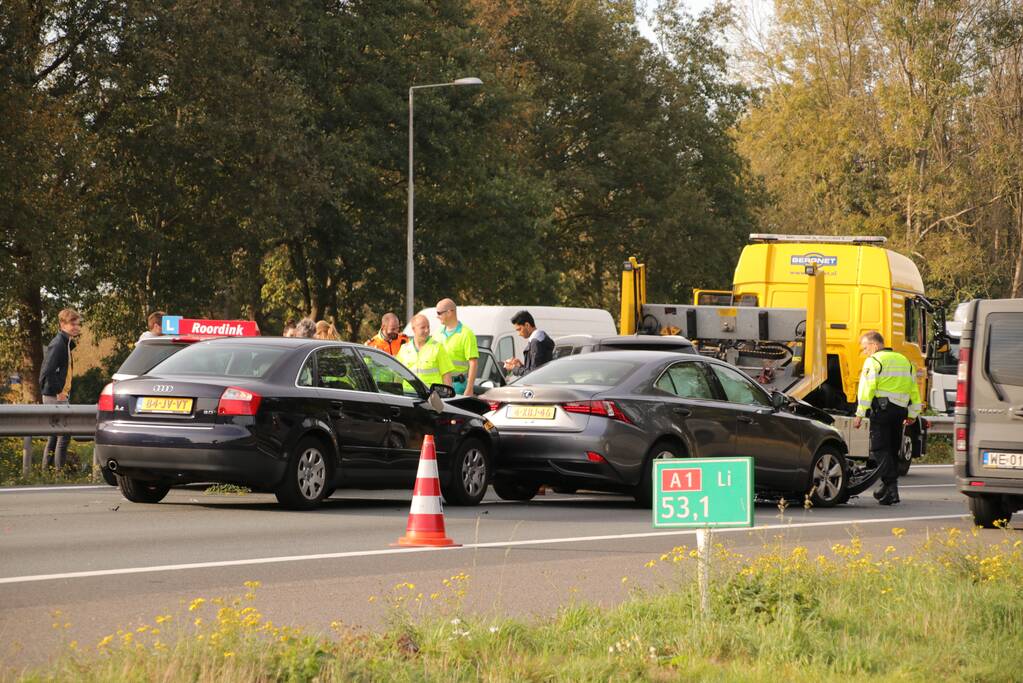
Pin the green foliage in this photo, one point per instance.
(86, 387)
(78, 469)
(249, 160)
(898, 119)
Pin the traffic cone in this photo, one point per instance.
(426, 518)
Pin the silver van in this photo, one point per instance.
(989, 410)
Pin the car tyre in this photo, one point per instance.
(139, 491)
(829, 478)
(987, 510)
(514, 490)
(108, 476)
(470, 473)
(307, 477)
(662, 450)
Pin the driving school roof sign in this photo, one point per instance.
(175, 324)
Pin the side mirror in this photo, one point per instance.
(442, 390)
(778, 400)
(485, 384)
(434, 402)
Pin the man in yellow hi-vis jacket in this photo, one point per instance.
(888, 388)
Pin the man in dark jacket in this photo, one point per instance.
(55, 378)
(539, 345)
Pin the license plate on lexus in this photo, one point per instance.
(1009, 461)
(531, 412)
(165, 404)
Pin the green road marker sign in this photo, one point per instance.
(703, 493)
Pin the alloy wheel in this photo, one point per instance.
(474, 471)
(827, 476)
(312, 473)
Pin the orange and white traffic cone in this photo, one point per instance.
(426, 518)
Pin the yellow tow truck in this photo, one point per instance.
(794, 316)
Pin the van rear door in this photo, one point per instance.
(996, 391)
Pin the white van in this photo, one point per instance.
(494, 329)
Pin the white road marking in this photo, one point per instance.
(22, 489)
(467, 546)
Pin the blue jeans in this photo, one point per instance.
(56, 446)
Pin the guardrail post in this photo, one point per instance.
(26, 457)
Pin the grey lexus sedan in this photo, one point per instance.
(598, 420)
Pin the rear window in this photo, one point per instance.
(1004, 360)
(248, 361)
(146, 356)
(580, 370)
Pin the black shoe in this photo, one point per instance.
(891, 496)
(881, 491)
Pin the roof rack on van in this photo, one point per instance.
(817, 239)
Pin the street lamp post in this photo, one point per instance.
(409, 275)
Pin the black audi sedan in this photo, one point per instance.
(296, 417)
(598, 421)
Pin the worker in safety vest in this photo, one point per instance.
(389, 339)
(888, 388)
(426, 356)
(460, 343)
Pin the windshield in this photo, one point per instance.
(247, 361)
(146, 356)
(947, 363)
(581, 370)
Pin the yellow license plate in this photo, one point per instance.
(164, 404)
(531, 412)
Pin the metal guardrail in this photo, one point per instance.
(52, 420)
(49, 420)
(941, 424)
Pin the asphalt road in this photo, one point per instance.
(105, 563)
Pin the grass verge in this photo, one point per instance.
(78, 469)
(951, 609)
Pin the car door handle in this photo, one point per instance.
(747, 419)
(337, 408)
(395, 411)
(684, 412)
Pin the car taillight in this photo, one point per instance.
(495, 405)
(963, 396)
(106, 399)
(608, 409)
(235, 401)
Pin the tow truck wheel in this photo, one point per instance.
(138, 491)
(905, 455)
(987, 510)
(829, 483)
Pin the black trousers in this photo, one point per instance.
(886, 439)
